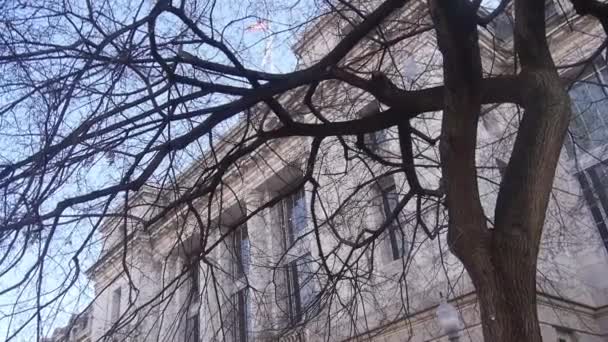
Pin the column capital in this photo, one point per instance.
(255, 198)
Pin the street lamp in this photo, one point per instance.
(448, 319)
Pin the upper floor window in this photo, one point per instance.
(84, 322)
(194, 273)
(501, 165)
(589, 127)
(394, 236)
(293, 216)
(116, 299)
(192, 326)
(241, 252)
(192, 329)
(240, 316)
(594, 182)
(375, 140)
(299, 275)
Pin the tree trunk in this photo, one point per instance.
(501, 261)
(504, 276)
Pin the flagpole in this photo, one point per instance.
(264, 26)
(267, 60)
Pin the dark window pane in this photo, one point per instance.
(589, 127)
(116, 305)
(298, 214)
(192, 329)
(306, 280)
(293, 215)
(194, 272)
(375, 140)
(294, 303)
(242, 251)
(594, 185)
(302, 290)
(390, 200)
(239, 329)
(245, 250)
(550, 10)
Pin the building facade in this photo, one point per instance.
(253, 273)
(78, 329)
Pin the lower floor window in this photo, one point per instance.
(565, 335)
(301, 287)
(192, 329)
(390, 201)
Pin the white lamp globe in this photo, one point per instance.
(448, 319)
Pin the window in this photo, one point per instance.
(502, 166)
(565, 335)
(84, 322)
(301, 288)
(390, 199)
(374, 140)
(195, 279)
(589, 127)
(594, 183)
(240, 316)
(192, 328)
(116, 305)
(550, 10)
(192, 316)
(293, 217)
(242, 252)
(502, 26)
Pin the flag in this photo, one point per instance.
(260, 25)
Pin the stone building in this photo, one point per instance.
(78, 329)
(260, 281)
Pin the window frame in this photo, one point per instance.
(584, 73)
(195, 279)
(192, 317)
(241, 315)
(192, 328)
(552, 11)
(595, 194)
(296, 281)
(290, 232)
(294, 300)
(386, 187)
(240, 267)
(116, 303)
(565, 334)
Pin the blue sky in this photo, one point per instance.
(58, 265)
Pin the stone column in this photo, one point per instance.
(151, 284)
(262, 237)
(211, 329)
(100, 308)
(170, 311)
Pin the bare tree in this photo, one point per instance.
(120, 115)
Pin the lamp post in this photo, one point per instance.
(448, 319)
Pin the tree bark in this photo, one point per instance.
(500, 261)
(504, 276)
